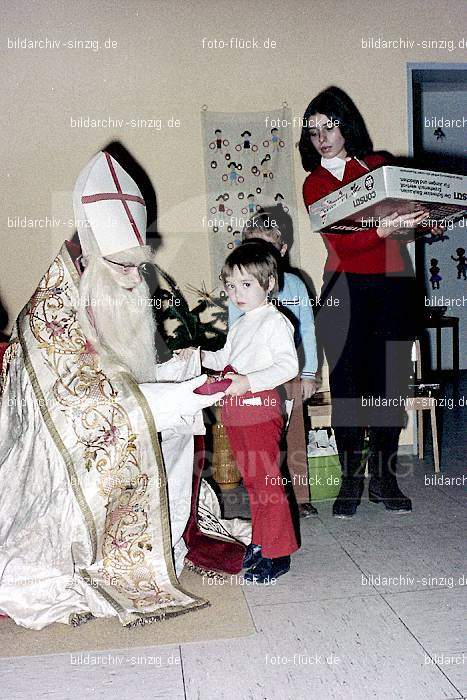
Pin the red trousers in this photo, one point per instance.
(254, 433)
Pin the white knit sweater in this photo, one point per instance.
(261, 345)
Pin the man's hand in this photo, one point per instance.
(400, 223)
(185, 353)
(240, 384)
(309, 387)
(171, 399)
(192, 403)
(170, 402)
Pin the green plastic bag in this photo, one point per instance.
(324, 475)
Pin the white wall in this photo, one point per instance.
(159, 70)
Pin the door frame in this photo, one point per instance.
(429, 72)
(416, 70)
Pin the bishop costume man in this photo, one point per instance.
(93, 510)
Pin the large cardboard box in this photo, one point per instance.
(361, 204)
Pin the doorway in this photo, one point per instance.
(437, 119)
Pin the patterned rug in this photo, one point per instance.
(226, 617)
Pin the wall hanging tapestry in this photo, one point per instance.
(249, 164)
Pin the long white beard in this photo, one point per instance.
(118, 322)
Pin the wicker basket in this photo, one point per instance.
(224, 470)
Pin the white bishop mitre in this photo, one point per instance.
(110, 213)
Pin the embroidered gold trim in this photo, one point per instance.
(60, 446)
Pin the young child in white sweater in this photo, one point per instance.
(260, 347)
(271, 225)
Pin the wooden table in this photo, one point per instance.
(445, 322)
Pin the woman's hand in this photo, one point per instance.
(185, 353)
(309, 387)
(437, 229)
(240, 384)
(400, 223)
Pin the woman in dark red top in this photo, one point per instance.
(368, 335)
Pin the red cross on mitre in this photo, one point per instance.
(114, 206)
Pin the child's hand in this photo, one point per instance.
(240, 384)
(185, 353)
(309, 387)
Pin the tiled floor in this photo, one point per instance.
(374, 607)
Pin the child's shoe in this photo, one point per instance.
(267, 570)
(252, 555)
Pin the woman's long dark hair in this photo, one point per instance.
(337, 106)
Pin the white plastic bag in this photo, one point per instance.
(321, 442)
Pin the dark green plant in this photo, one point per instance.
(191, 330)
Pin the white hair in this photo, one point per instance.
(118, 321)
